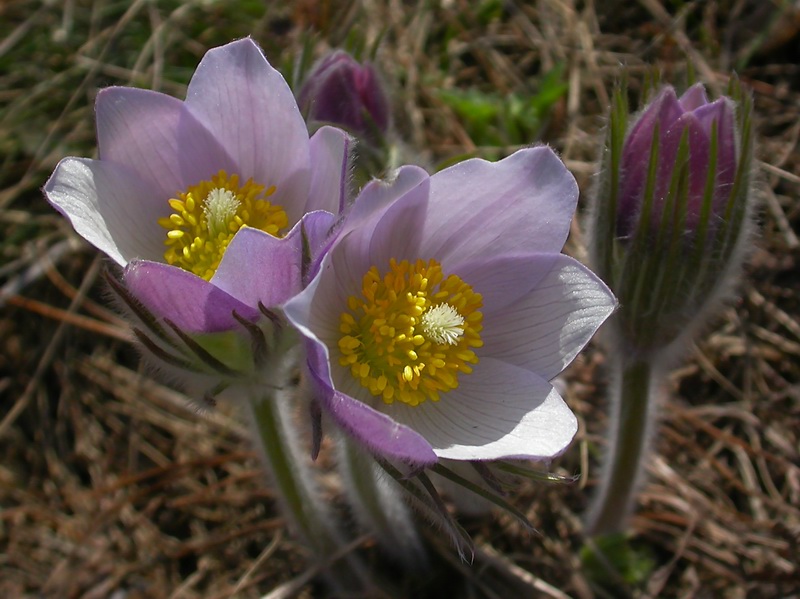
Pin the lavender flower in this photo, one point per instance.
(204, 202)
(343, 92)
(445, 307)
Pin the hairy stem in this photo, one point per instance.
(633, 396)
(277, 439)
(378, 506)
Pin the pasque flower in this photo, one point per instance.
(445, 307)
(213, 207)
(342, 91)
(206, 202)
(670, 216)
(667, 120)
(669, 228)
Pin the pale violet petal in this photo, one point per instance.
(190, 302)
(378, 195)
(499, 411)
(248, 106)
(259, 268)
(110, 207)
(502, 280)
(153, 135)
(524, 203)
(330, 154)
(369, 427)
(544, 330)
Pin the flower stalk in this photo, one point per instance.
(633, 397)
(276, 437)
(378, 506)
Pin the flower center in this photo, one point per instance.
(411, 333)
(207, 215)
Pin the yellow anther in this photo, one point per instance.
(207, 215)
(405, 338)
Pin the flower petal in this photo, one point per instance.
(249, 108)
(523, 203)
(153, 134)
(259, 268)
(499, 411)
(699, 143)
(694, 97)
(544, 331)
(110, 207)
(502, 280)
(374, 430)
(330, 153)
(370, 233)
(661, 112)
(722, 112)
(192, 303)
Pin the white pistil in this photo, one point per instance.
(219, 208)
(443, 324)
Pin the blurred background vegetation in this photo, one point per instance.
(112, 485)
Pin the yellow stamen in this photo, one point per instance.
(411, 332)
(207, 216)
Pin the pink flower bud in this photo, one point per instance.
(694, 117)
(671, 216)
(343, 92)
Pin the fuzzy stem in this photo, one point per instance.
(633, 396)
(378, 505)
(277, 440)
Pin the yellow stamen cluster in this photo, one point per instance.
(207, 216)
(411, 332)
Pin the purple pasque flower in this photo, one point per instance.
(344, 92)
(691, 116)
(671, 218)
(204, 202)
(444, 308)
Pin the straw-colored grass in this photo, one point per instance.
(113, 485)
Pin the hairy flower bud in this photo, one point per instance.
(341, 91)
(671, 213)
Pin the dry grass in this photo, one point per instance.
(111, 486)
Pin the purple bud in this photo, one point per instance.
(671, 216)
(671, 119)
(343, 92)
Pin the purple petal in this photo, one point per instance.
(544, 330)
(318, 230)
(316, 226)
(502, 280)
(383, 223)
(699, 144)
(523, 203)
(662, 111)
(722, 112)
(693, 98)
(374, 430)
(193, 304)
(153, 135)
(250, 109)
(499, 411)
(259, 268)
(111, 207)
(378, 195)
(330, 153)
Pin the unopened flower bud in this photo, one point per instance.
(343, 92)
(672, 210)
